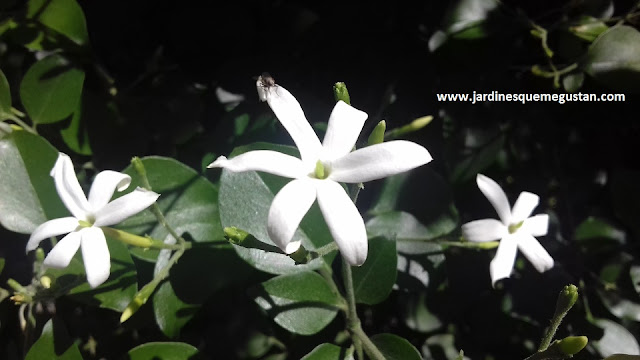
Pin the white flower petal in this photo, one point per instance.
(496, 197)
(61, 254)
(105, 183)
(534, 252)
(287, 210)
(344, 221)
(124, 207)
(271, 162)
(96, 257)
(524, 206)
(502, 264)
(537, 225)
(291, 116)
(68, 188)
(378, 161)
(51, 228)
(484, 230)
(345, 124)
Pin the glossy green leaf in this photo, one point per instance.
(373, 281)
(54, 344)
(5, 97)
(445, 343)
(76, 135)
(27, 193)
(176, 301)
(187, 200)
(411, 235)
(588, 28)
(244, 202)
(164, 351)
(63, 16)
(465, 19)
(417, 316)
(302, 303)
(593, 229)
(620, 307)
(614, 58)
(116, 293)
(329, 352)
(394, 347)
(51, 89)
(616, 339)
(573, 82)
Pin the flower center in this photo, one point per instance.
(321, 172)
(88, 222)
(514, 227)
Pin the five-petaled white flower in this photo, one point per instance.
(516, 230)
(83, 227)
(321, 167)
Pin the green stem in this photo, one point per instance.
(324, 250)
(369, 347)
(155, 209)
(353, 321)
(22, 124)
(471, 245)
(140, 241)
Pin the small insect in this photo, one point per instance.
(264, 85)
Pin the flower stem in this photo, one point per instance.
(360, 338)
(140, 241)
(566, 299)
(155, 209)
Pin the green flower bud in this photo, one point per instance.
(571, 345)
(377, 135)
(39, 254)
(235, 235)
(128, 238)
(138, 300)
(340, 92)
(566, 299)
(45, 281)
(415, 125)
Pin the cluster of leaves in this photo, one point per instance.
(417, 281)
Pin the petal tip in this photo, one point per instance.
(219, 163)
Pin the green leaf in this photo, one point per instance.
(164, 351)
(417, 316)
(329, 352)
(614, 58)
(5, 97)
(187, 200)
(593, 229)
(51, 89)
(373, 281)
(446, 343)
(616, 339)
(620, 307)
(176, 301)
(1, 265)
(465, 19)
(54, 344)
(394, 347)
(116, 293)
(573, 82)
(27, 193)
(411, 235)
(76, 135)
(64, 16)
(588, 28)
(245, 198)
(302, 303)
(479, 160)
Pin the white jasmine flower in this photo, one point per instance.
(321, 167)
(516, 230)
(83, 227)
